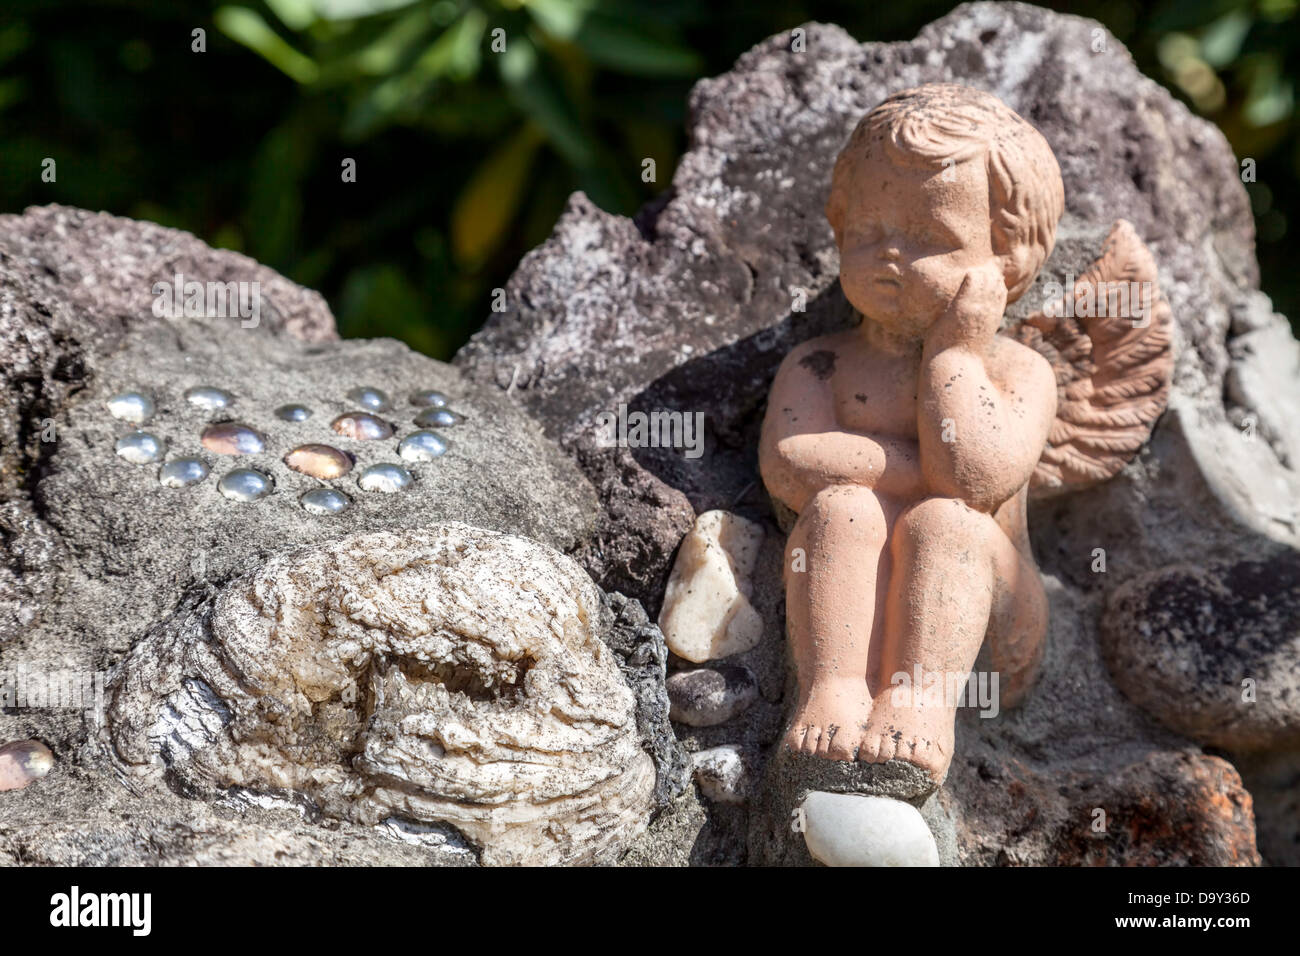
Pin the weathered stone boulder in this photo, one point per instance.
(689, 308)
(110, 580)
(451, 678)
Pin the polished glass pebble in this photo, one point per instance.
(384, 477)
(440, 417)
(182, 472)
(371, 399)
(319, 461)
(23, 762)
(293, 413)
(428, 398)
(324, 501)
(134, 407)
(208, 398)
(362, 426)
(140, 448)
(232, 438)
(422, 446)
(245, 484)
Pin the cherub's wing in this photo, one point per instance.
(1113, 356)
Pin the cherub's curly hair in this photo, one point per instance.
(944, 121)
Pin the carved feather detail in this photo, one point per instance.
(1112, 370)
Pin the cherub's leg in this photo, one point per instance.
(950, 562)
(835, 556)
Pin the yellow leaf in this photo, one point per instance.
(487, 205)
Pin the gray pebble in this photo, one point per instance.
(708, 696)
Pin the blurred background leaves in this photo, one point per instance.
(471, 121)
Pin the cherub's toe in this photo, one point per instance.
(812, 740)
(888, 747)
(842, 746)
(794, 738)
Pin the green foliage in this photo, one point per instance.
(471, 121)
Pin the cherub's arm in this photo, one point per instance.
(995, 425)
(803, 449)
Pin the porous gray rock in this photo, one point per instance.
(1213, 652)
(690, 307)
(643, 657)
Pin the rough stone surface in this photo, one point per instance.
(1213, 652)
(1273, 780)
(450, 676)
(1164, 808)
(643, 658)
(97, 554)
(690, 307)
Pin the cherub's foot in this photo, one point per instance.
(922, 736)
(831, 722)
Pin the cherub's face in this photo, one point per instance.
(910, 235)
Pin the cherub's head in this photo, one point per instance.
(933, 182)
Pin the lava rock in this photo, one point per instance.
(1213, 652)
(690, 307)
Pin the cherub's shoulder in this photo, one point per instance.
(816, 357)
(1018, 364)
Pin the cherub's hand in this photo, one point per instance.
(975, 313)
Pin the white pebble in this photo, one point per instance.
(849, 829)
(706, 611)
(720, 773)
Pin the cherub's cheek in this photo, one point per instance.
(937, 274)
(853, 259)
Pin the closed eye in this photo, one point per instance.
(943, 237)
(866, 233)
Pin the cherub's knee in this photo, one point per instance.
(940, 523)
(849, 508)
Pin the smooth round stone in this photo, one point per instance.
(384, 477)
(428, 398)
(362, 426)
(324, 501)
(422, 446)
(24, 762)
(232, 438)
(208, 398)
(293, 413)
(849, 829)
(134, 407)
(371, 399)
(245, 484)
(319, 461)
(437, 417)
(140, 448)
(182, 472)
(708, 696)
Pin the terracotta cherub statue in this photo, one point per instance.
(907, 446)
